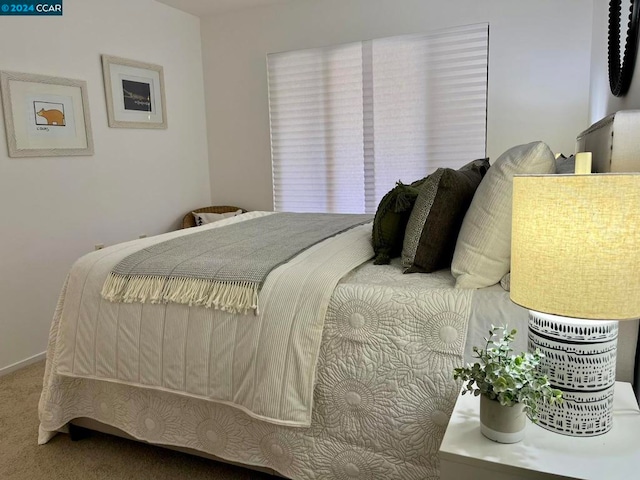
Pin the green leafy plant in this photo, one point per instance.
(507, 378)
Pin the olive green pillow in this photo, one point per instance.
(391, 219)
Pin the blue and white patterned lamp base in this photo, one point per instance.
(580, 360)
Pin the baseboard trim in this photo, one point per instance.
(23, 363)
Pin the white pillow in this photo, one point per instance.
(204, 218)
(483, 249)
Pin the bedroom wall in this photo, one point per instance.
(55, 209)
(602, 102)
(538, 79)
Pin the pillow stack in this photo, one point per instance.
(459, 218)
(204, 217)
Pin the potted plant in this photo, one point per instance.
(510, 386)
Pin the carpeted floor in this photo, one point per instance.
(97, 457)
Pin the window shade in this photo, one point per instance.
(348, 121)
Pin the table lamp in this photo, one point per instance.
(575, 264)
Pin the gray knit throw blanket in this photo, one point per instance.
(222, 267)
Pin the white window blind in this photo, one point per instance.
(348, 121)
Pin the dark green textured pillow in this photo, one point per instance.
(422, 209)
(391, 219)
(450, 201)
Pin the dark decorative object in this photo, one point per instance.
(620, 74)
(579, 359)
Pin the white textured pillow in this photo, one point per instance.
(483, 249)
(204, 218)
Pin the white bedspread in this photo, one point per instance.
(263, 364)
(383, 395)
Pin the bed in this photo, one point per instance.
(363, 372)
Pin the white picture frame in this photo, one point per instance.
(45, 116)
(134, 93)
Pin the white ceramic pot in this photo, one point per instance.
(500, 423)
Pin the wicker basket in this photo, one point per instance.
(188, 220)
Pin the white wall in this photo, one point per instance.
(538, 82)
(602, 101)
(54, 209)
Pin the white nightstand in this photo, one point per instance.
(466, 454)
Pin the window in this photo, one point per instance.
(348, 121)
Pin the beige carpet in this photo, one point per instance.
(97, 457)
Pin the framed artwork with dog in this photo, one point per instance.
(135, 93)
(45, 116)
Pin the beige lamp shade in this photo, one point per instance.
(575, 245)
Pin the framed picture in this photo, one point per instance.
(135, 93)
(45, 116)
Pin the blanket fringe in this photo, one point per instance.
(232, 297)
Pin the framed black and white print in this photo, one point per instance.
(45, 116)
(135, 93)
